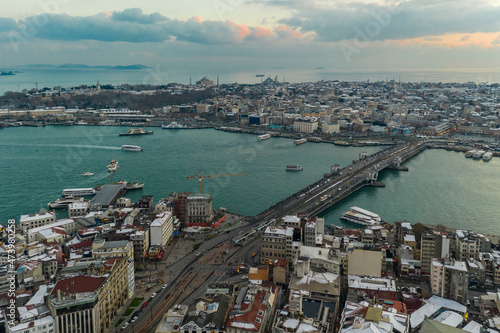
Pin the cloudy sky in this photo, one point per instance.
(251, 34)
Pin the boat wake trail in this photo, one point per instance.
(82, 146)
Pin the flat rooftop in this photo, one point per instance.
(106, 195)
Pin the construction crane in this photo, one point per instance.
(200, 176)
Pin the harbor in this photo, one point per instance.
(90, 149)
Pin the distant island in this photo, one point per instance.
(7, 73)
(320, 67)
(82, 66)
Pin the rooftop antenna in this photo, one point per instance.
(217, 80)
(36, 83)
(190, 81)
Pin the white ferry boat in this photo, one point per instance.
(361, 216)
(357, 218)
(300, 141)
(293, 167)
(264, 136)
(371, 215)
(113, 165)
(173, 125)
(75, 192)
(64, 202)
(470, 153)
(131, 148)
(86, 174)
(478, 154)
(487, 156)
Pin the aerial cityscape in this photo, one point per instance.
(250, 166)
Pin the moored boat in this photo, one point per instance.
(469, 153)
(74, 192)
(487, 156)
(372, 215)
(357, 218)
(64, 202)
(264, 136)
(136, 131)
(361, 216)
(173, 125)
(478, 154)
(132, 185)
(300, 141)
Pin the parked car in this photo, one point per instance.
(125, 325)
(153, 295)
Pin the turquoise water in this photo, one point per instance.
(38, 163)
(441, 187)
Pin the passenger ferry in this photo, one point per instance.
(478, 154)
(264, 136)
(113, 165)
(86, 174)
(64, 202)
(358, 210)
(131, 148)
(487, 156)
(293, 167)
(470, 153)
(300, 141)
(357, 218)
(173, 125)
(361, 216)
(74, 192)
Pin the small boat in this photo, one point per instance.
(86, 174)
(264, 137)
(131, 148)
(136, 131)
(132, 185)
(300, 141)
(293, 167)
(113, 165)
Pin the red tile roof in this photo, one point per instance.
(82, 244)
(79, 284)
(248, 320)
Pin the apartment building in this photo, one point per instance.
(450, 279)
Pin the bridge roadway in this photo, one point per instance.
(335, 187)
(307, 201)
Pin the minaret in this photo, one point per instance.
(190, 82)
(217, 80)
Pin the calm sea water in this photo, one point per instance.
(163, 74)
(440, 188)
